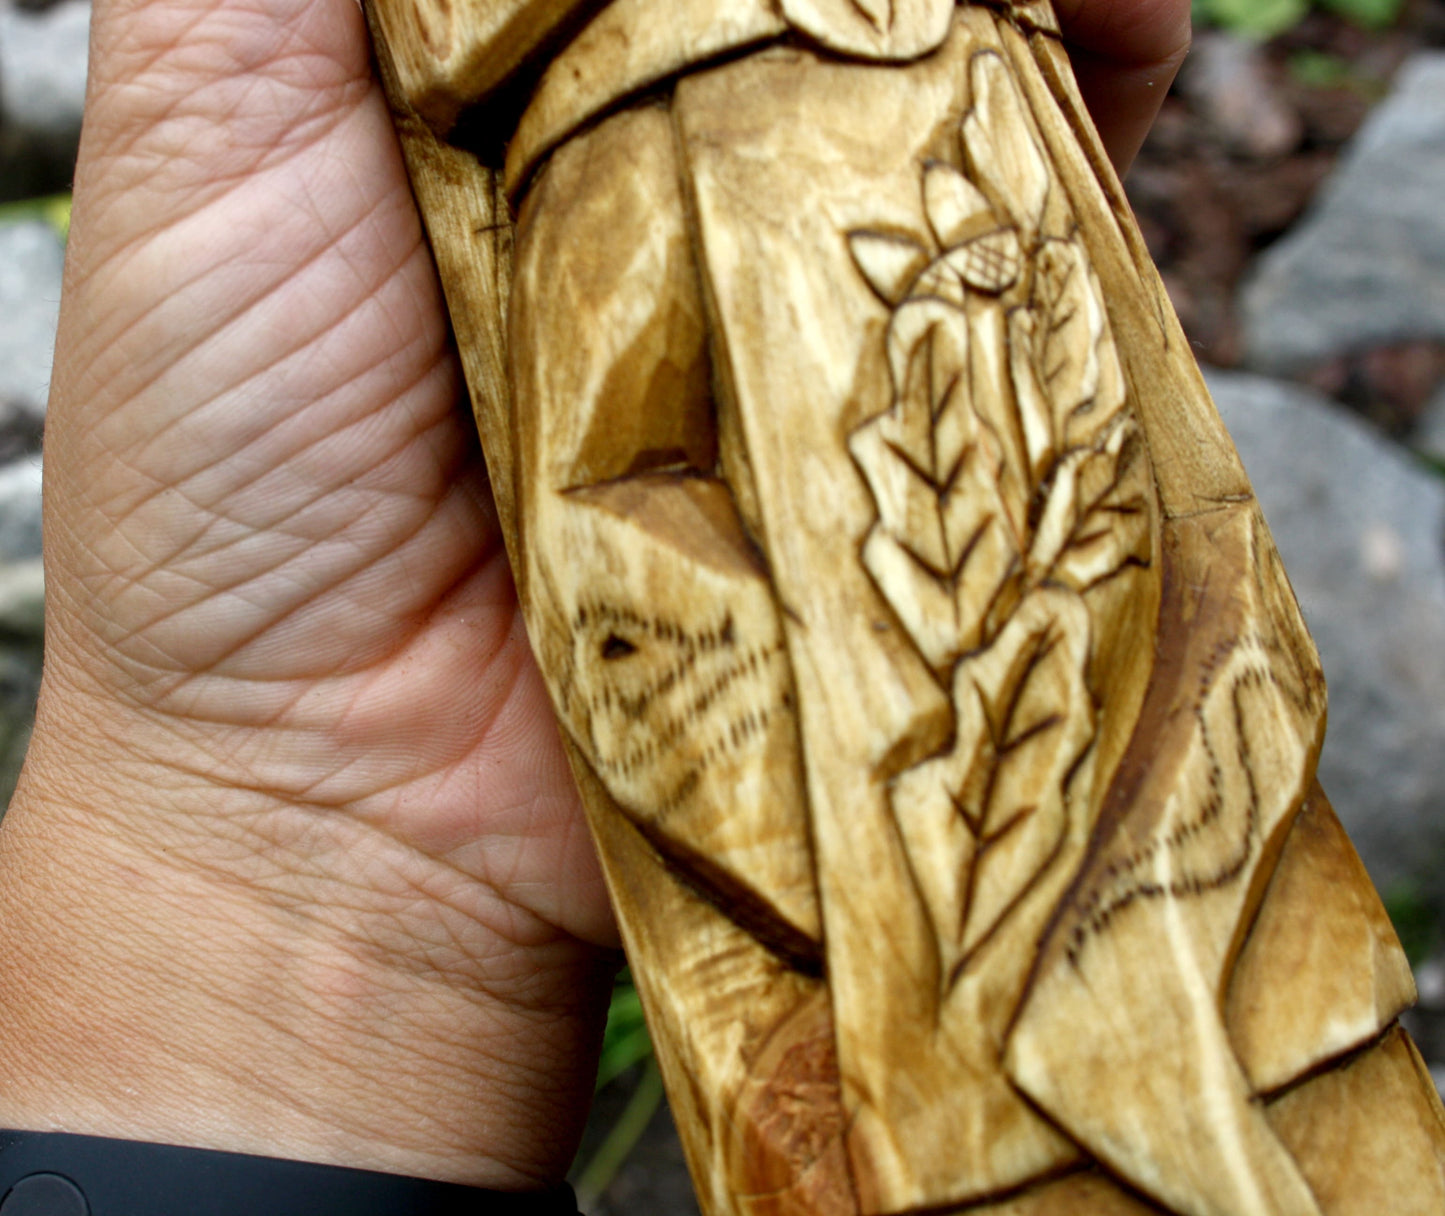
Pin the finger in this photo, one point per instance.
(194, 169)
(202, 92)
(1126, 54)
(250, 314)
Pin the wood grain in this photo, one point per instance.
(1321, 971)
(448, 55)
(944, 716)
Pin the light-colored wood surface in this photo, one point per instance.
(944, 717)
(624, 52)
(890, 30)
(1321, 970)
(1368, 1133)
(447, 55)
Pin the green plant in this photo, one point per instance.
(54, 210)
(625, 1042)
(1320, 70)
(1256, 18)
(1415, 920)
(1372, 14)
(1266, 18)
(625, 1045)
(613, 1152)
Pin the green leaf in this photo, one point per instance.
(1373, 14)
(1255, 18)
(1266, 18)
(53, 210)
(625, 1042)
(1414, 919)
(1320, 70)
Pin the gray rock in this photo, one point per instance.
(1429, 438)
(22, 628)
(1228, 78)
(22, 614)
(43, 57)
(1360, 527)
(22, 598)
(20, 511)
(31, 257)
(1367, 266)
(1430, 981)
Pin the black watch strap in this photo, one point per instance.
(50, 1174)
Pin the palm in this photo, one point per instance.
(274, 516)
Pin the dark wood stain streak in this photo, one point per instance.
(1101, 908)
(739, 903)
(675, 727)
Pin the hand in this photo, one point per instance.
(296, 866)
(1126, 54)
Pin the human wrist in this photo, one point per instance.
(213, 977)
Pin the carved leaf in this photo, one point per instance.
(1112, 510)
(1095, 519)
(928, 359)
(1087, 421)
(956, 208)
(1002, 152)
(1054, 348)
(879, 12)
(1071, 326)
(993, 403)
(939, 554)
(940, 842)
(890, 264)
(982, 822)
(1037, 718)
(893, 30)
(932, 348)
(1071, 396)
(1035, 413)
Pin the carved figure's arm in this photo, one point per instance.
(946, 722)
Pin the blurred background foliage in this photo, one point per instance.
(1267, 18)
(627, 1073)
(53, 209)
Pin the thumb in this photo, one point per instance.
(1125, 54)
(226, 142)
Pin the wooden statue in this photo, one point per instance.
(945, 719)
